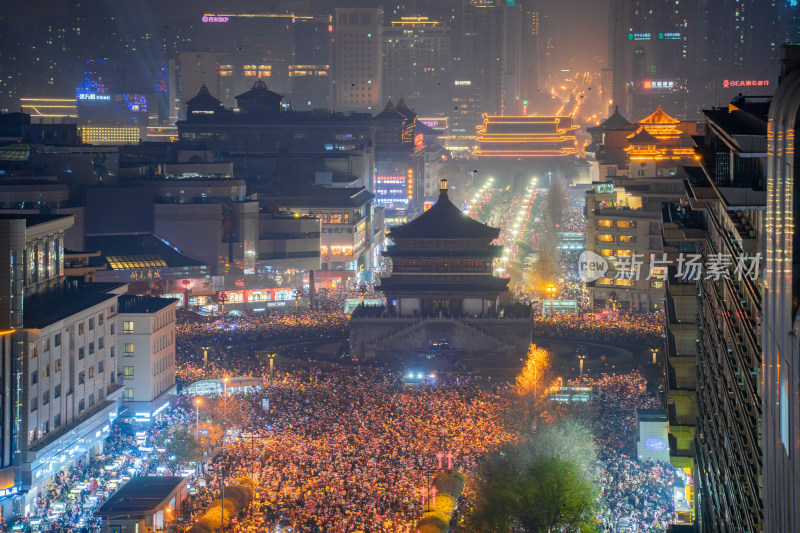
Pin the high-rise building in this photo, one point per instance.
(416, 63)
(291, 52)
(781, 370)
(650, 42)
(357, 46)
(729, 191)
(479, 51)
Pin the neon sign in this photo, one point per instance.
(669, 36)
(639, 36)
(658, 84)
(206, 18)
(744, 83)
(93, 96)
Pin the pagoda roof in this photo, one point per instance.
(444, 221)
(659, 117)
(616, 121)
(489, 251)
(390, 113)
(492, 285)
(260, 92)
(204, 99)
(403, 109)
(642, 137)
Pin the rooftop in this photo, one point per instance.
(737, 122)
(125, 252)
(46, 308)
(444, 221)
(143, 304)
(32, 219)
(302, 195)
(141, 494)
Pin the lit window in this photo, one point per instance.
(127, 372)
(127, 326)
(128, 350)
(604, 224)
(605, 238)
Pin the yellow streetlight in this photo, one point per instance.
(551, 290)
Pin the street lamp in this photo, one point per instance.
(271, 360)
(581, 359)
(197, 416)
(362, 288)
(205, 358)
(654, 351)
(551, 290)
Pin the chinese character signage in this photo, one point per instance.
(745, 83)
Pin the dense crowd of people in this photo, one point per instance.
(349, 449)
(635, 494)
(642, 328)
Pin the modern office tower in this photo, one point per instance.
(781, 370)
(479, 53)
(416, 63)
(729, 191)
(357, 47)
(146, 355)
(522, 65)
(650, 42)
(311, 71)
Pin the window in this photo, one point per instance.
(81, 328)
(91, 324)
(45, 345)
(57, 391)
(57, 420)
(81, 406)
(128, 350)
(128, 394)
(91, 399)
(81, 378)
(127, 326)
(336, 218)
(100, 343)
(57, 340)
(91, 372)
(46, 397)
(46, 372)
(58, 365)
(624, 253)
(46, 428)
(34, 404)
(605, 238)
(606, 252)
(100, 367)
(34, 351)
(80, 353)
(34, 377)
(91, 348)
(111, 352)
(100, 319)
(626, 224)
(623, 282)
(627, 238)
(657, 284)
(127, 372)
(111, 329)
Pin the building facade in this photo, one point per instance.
(146, 348)
(61, 391)
(357, 47)
(781, 372)
(416, 63)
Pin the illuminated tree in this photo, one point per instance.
(534, 378)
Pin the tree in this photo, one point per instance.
(180, 446)
(565, 439)
(545, 494)
(555, 494)
(533, 379)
